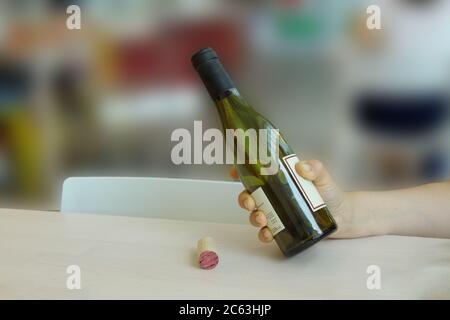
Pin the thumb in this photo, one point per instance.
(313, 170)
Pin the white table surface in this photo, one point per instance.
(142, 258)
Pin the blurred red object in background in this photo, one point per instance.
(164, 59)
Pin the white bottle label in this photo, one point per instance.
(306, 187)
(262, 202)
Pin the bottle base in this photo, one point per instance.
(308, 243)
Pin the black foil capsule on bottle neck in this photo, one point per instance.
(216, 80)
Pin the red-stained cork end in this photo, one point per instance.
(207, 253)
(208, 260)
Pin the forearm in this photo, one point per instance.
(420, 211)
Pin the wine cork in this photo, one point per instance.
(207, 253)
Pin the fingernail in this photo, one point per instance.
(259, 218)
(248, 204)
(305, 166)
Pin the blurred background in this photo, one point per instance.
(104, 100)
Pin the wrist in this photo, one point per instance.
(366, 220)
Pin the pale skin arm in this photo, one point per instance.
(421, 211)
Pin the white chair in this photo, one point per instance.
(181, 199)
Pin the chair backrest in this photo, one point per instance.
(181, 199)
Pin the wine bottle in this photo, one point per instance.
(296, 213)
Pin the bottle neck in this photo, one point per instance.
(216, 79)
(229, 92)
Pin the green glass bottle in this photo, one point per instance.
(297, 216)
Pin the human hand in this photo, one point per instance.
(338, 202)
